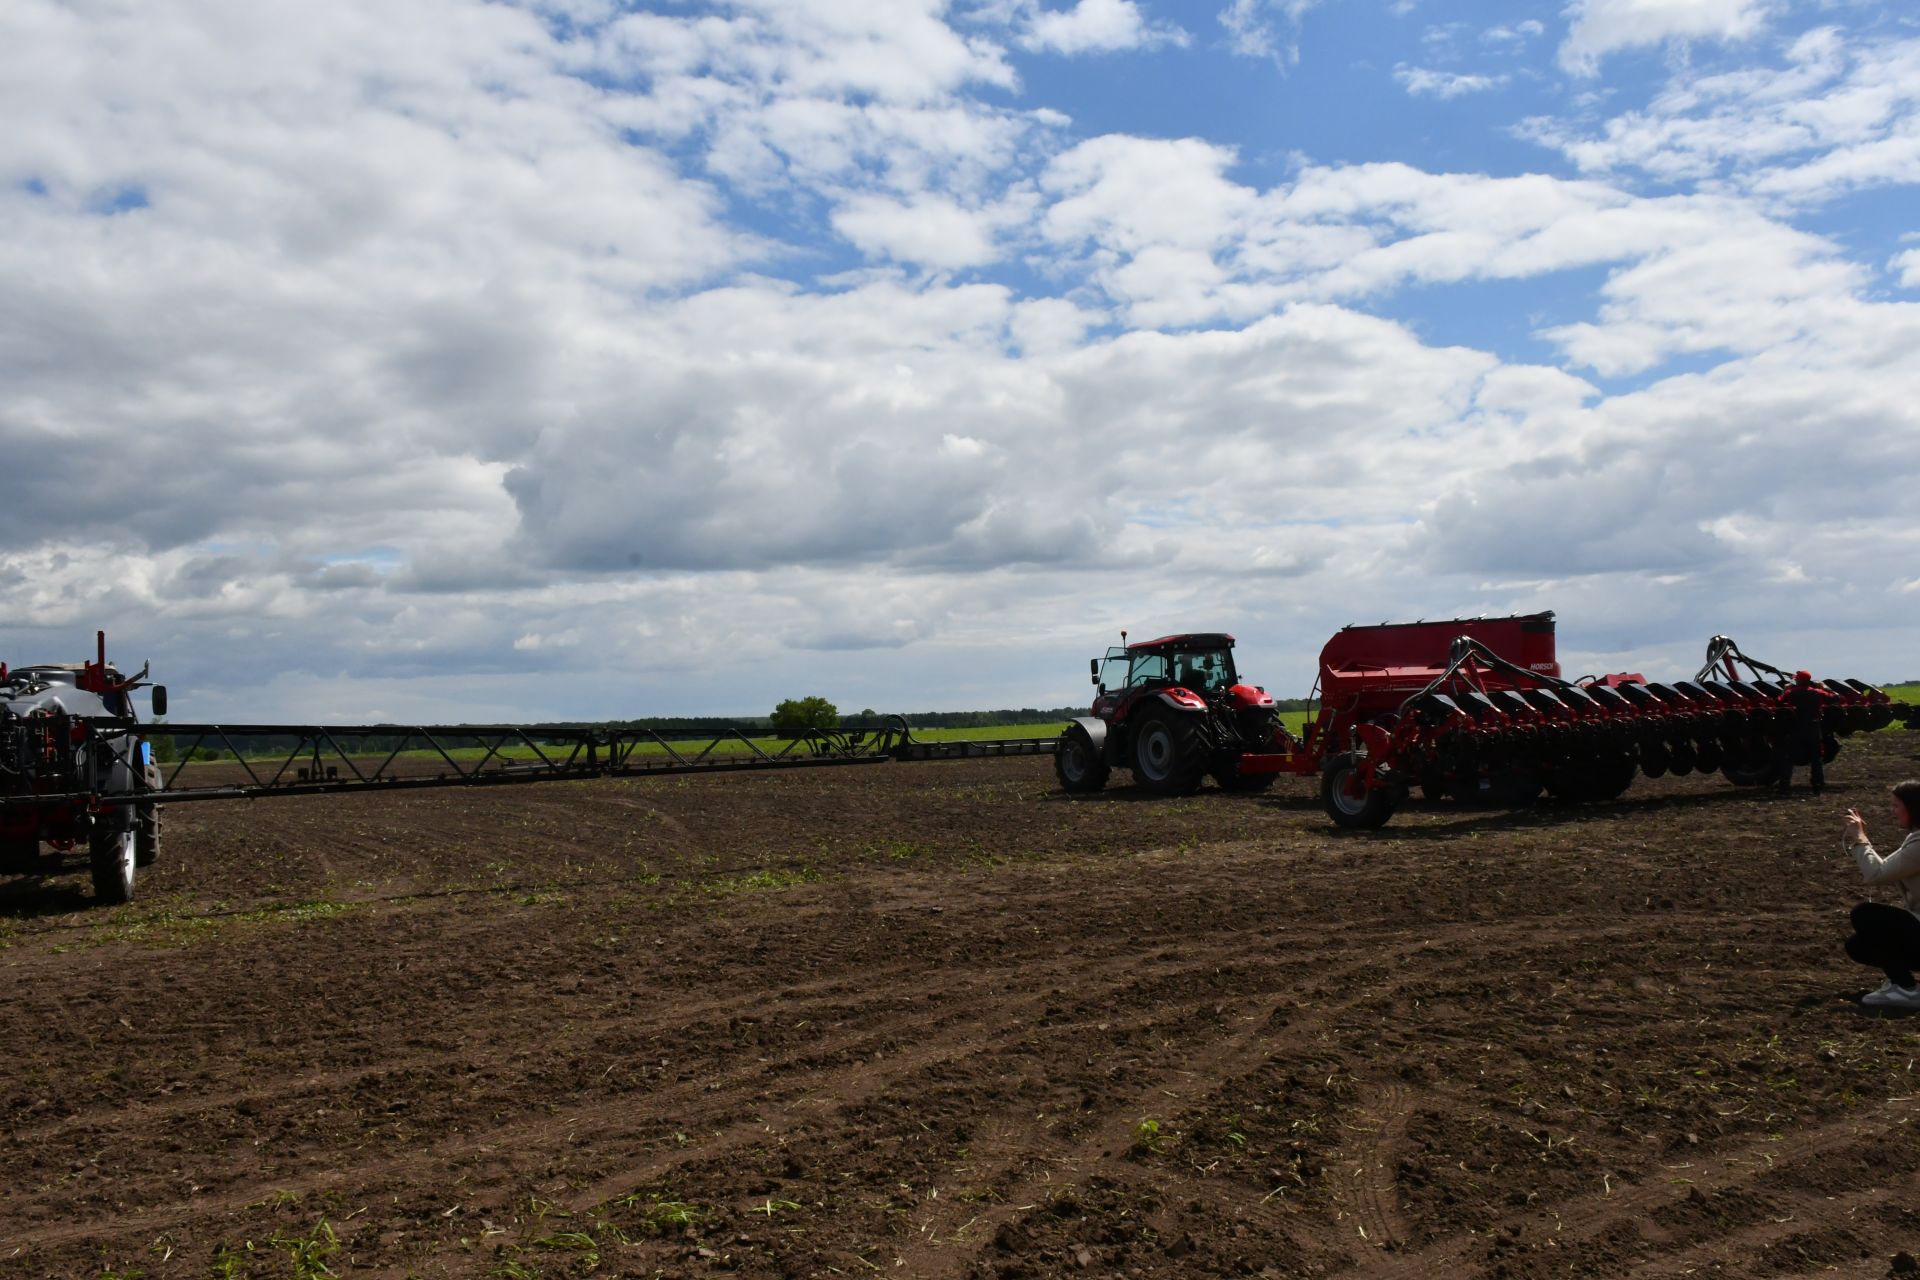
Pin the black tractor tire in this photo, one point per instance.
(146, 836)
(110, 855)
(1169, 758)
(1078, 764)
(1345, 804)
(146, 832)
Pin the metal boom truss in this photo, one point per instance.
(254, 761)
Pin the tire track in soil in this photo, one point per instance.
(1374, 1202)
(1592, 1215)
(801, 1094)
(114, 1113)
(1750, 1242)
(1238, 1054)
(1373, 1198)
(824, 989)
(1373, 1184)
(976, 1033)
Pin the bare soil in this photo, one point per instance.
(941, 1020)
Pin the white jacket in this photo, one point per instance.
(1902, 867)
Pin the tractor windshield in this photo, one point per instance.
(1201, 670)
(1148, 667)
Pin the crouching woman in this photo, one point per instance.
(1888, 937)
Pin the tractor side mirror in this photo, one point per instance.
(1093, 669)
(159, 700)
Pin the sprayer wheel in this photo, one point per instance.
(146, 832)
(110, 854)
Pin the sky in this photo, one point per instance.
(573, 359)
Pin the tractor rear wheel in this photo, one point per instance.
(1167, 755)
(1077, 764)
(1346, 799)
(111, 856)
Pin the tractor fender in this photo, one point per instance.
(1096, 730)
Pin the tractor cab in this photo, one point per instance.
(1202, 663)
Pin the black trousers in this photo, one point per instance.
(1783, 753)
(1887, 938)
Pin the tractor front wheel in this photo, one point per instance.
(111, 855)
(1167, 755)
(1347, 800)
(1077, 764)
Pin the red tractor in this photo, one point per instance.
(1174, 711)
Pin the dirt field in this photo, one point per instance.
(940, 1020)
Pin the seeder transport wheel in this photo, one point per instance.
(1076, 763)
(111, 855)
(1347, 802)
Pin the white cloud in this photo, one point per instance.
(1837, 116)
(1908, 265)
(440, 359)
(1688, 274)
(1520, 33)
(1097, 26)
(1422, 82)
(927, 230)
(1126, 193)
(1266, 28)
(1597, 28)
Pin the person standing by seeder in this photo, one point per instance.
(1803, 705)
